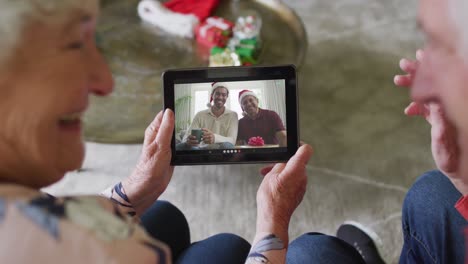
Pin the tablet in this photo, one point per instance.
(229, 115)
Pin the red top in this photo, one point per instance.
(265, 125)
(462, 207)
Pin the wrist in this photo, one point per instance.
(272, 227)
(137, 199)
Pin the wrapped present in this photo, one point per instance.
(247, 49)
(256, 141)
(215, 31)
(248, 26)
(224, 57)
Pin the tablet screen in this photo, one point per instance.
(231, 117)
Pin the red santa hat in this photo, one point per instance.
(177, 17)
(201, 9)
(214, 86)
(244, 93)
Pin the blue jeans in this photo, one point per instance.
(166, 223)
(432, 227)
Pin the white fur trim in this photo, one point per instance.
(217, 85)
(174, 23)
(246, 94)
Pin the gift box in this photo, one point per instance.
(215, 31)
(247, 49)
(224, 57)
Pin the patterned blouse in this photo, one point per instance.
(38, 228)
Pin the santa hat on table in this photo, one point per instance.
(214, 86)
(178, 17)
(243, 94)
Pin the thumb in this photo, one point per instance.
(298, 162)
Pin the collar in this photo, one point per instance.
(462, 206)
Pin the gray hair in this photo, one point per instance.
(458, 12)
(15, 15)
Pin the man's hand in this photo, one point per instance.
(280, 193)
(208, 136)
(192, 140)
(444, 145)
(153, 171)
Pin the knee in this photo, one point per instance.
(432, 188)
(430, 197)
(226, 145)
(221, 248)
(320, 248)
(162, 212)
(231, 241)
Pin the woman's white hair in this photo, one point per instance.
(458, 12)
(15, 15)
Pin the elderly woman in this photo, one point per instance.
(49, 66)
(259, 122)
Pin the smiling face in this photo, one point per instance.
(220, 96)
(45, 89)
(250, 105)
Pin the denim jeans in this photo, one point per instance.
(432, 227)
(166, 223)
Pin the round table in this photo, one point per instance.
(138, 54)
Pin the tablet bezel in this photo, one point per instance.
(232, 74)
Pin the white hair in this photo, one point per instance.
(458, 12)
(15, 15)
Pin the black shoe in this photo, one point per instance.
(362, 239)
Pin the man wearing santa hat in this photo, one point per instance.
(218, 124)
(259, 122)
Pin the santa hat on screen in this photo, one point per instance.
(214, 86)
(177, 17)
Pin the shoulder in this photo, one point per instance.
(73, 224)
(269, 113)
(202, 113)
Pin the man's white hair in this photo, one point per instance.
(15, 15)
(458, 12)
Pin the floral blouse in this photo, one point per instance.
(38, 228)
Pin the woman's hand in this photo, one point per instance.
(280, 193)
(153, 171)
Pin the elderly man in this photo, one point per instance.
(259, 122)
(435, 210)
(218, 124)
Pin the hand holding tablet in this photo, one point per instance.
(227, 115)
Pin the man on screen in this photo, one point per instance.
(218, 124)
(259, 122)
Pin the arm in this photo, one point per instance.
(282, 138)
(195, 124)
(279, 194)
(153, 172)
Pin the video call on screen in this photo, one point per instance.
(259, 124)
